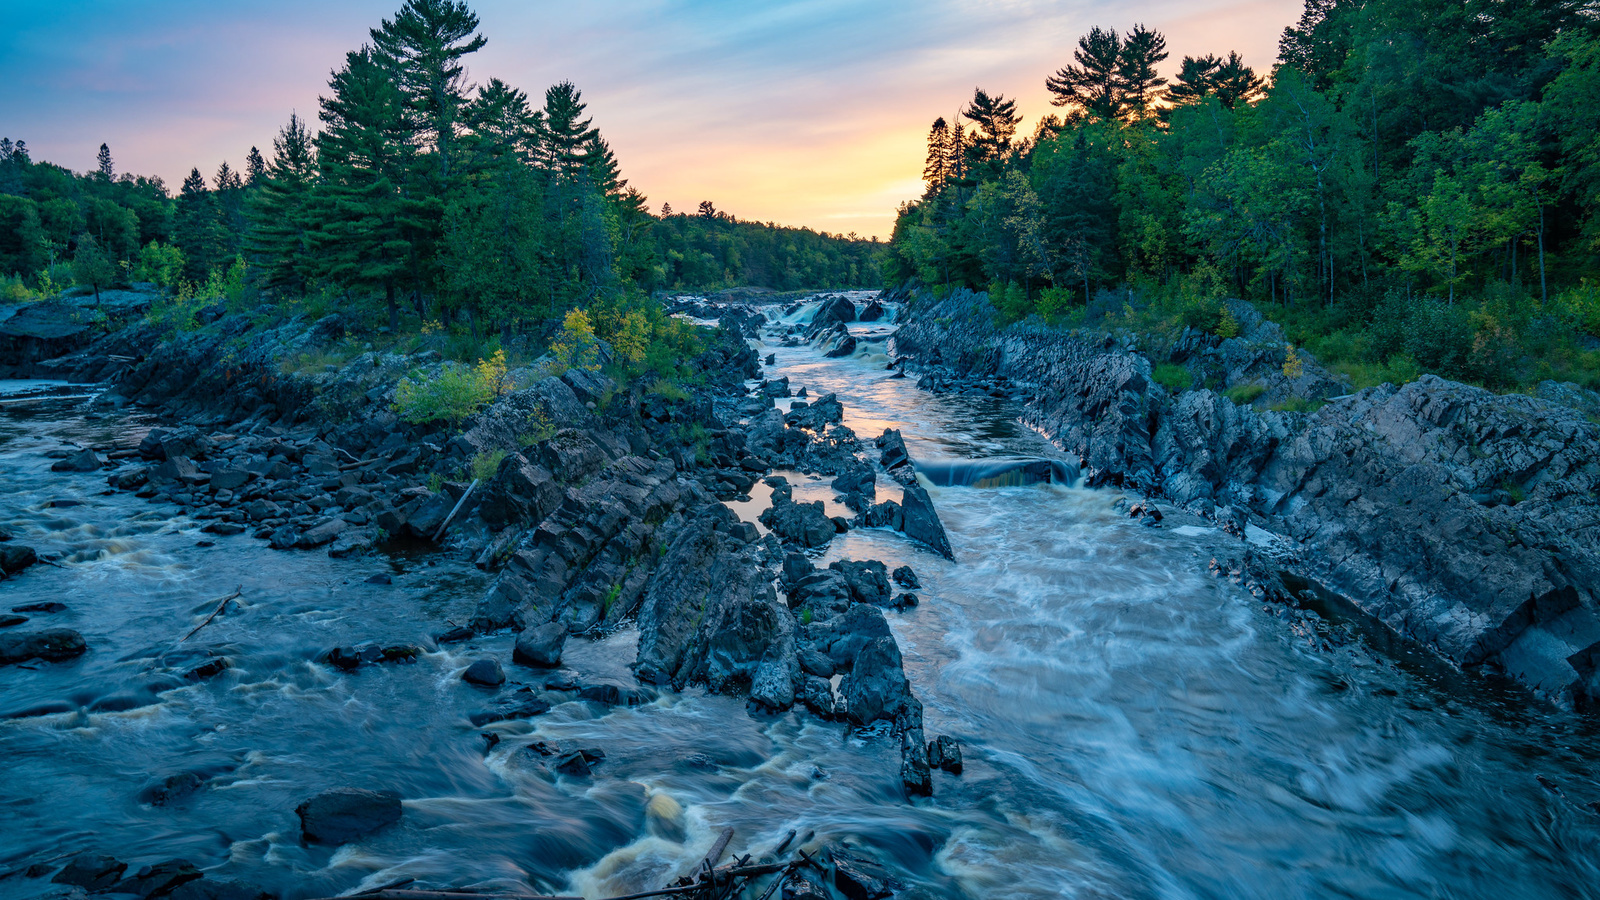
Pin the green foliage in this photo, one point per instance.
(1244, 394)
(1408, 152)
(160, 264)
(1172, 376)
(454, 394)
(485, 464)
(575, 346)
(668, 390)
(805, 616)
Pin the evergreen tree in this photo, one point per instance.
(1197, 79)
(604, 173)
(567, 136)
(423, 46)
(91, 265)
(707, 210)
(255, 168)
(1094, 85)
(230, 205)
(106, 173)
(366, 229)
(1236, 83)
(502, 123)
(1317, 44)
(279, 239)
(996, 119)
(936, 170)
(197, 228)
(1142, 51)
(666, 210)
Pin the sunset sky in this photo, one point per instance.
(810, 112)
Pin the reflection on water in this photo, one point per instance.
(1132, 727)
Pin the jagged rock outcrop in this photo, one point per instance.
(1466, 520)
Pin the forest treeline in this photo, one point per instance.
(415, 197)
(1413, 187)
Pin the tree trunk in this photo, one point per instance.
(394, 307)
(1544, 288)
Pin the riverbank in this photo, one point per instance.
(1464, 520)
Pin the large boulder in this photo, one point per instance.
(868, 580)
(519, 492)
(55, 645)
(83, 461)
(343, 814)
(806, 524)
(91, 871)
(921, 521)
(834, 309)
(15, 557)
(541, 646)
(876, 688)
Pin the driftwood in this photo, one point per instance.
(459, 503)
(214, 613)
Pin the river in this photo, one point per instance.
(1132, 727)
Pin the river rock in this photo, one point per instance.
(322, 533)
(82, 461)
(876, 688)
(867, 579)
(921, 522)
(8, 621)
(944, 752)
(860, 878)
(836, 309)
(872, 312)
(91, 871)
(806, 524)
(343, 814)
(906, 578)
(541, 646)
(893, 456)
(158, 880)
(230, 479)
(777, 387)
(519, 491)
(55, 645)
(485, 673)
(15, 557)
(798, 885)
(162, 791)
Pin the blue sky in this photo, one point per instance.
(807, 112)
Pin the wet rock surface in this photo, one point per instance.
(345, 814)
(1465, 520)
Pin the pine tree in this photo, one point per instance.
(1142, 51)
(105, 172)
(365, 228)
(666, 210)
(707, 210)
(423, 46)
(1317, 44)
(1196, 80)
(996, 119)
(230, 204)
(279, 237)
(567, 135)
(1093, 86)
(1237, 83)
(197, 228)
(936, 170)
(502, 123)
(604, 173)
(255, 168)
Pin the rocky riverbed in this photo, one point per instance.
(310, 656)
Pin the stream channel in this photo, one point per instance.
(1132, 727)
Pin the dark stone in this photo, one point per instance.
(162, 791)
(519, 491)
(573, 762)
(158, 880)
(815, 663)
(541, 646)
(859, 878)
(805, 524)
(906, 578)
(47, 606)
(8, 621)
(797, 885)
(91, 872)
(944, 752)
(56, 644)
(344, 814)
(230, 479)
(872, 312)
(915, 774)
(14, 558)
(922, 522)
(837, 309)
(795, 567)
(868, 580)
(485, 672)
(876, 688)
(344, 658)
(893, 455)
(522, 706)
(82, 461)
(320, 534)
(381, 578)
(905, 601)
(456, 635)
(208, 669)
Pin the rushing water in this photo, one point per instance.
(1132, 727)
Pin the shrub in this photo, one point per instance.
(1172, 376)
(485, 464)
(457, 392)
(668, 390)
(159, 263)
(1293, 365)
(575, 347)
(1244, 394)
